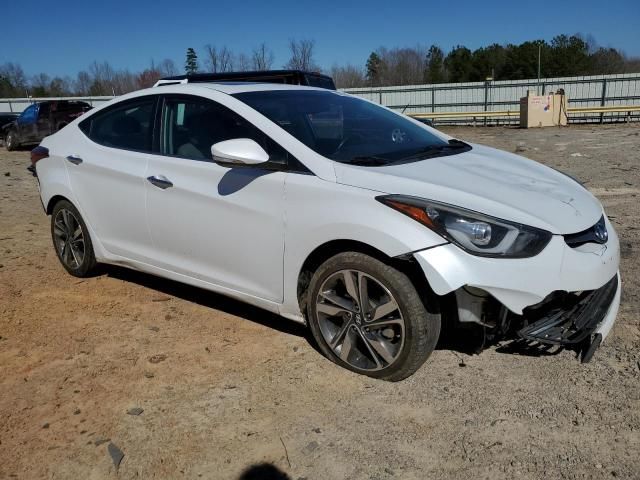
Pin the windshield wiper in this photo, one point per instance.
(432, 150)
(368, 161)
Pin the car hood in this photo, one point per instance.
(489, 181)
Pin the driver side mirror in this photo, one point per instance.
(238, 152)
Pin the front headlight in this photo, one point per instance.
(474, 232)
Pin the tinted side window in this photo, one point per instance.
(191, 125)
(127, 125)
(29, 115)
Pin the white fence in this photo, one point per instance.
(586, 91)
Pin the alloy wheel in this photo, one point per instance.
(360, 320)
(69, 239)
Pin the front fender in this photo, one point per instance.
(324, 212)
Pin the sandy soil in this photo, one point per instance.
(224, 386)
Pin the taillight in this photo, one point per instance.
(38, 154)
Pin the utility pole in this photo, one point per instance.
(539, 53)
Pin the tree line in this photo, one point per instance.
(564, 55)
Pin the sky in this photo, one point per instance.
(64, 37)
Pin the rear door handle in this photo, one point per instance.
(160, 181)
(75, 159)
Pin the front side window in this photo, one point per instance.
(191, 125)
(128, 126)
(29, 115)
(347, 129)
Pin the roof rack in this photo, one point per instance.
(290, 77)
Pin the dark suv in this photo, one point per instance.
(41, 119)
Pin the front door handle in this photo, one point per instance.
(160, 181)
(75, 159)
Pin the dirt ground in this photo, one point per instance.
(224, 386)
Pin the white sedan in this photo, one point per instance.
(372, 228)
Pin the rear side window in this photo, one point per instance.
(127, 125)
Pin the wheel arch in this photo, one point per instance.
(54, 200)
(404, 263)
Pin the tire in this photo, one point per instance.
(12, 141)
(75, 255)
(383, 340)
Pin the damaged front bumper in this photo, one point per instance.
(566, 295)
(581, 320)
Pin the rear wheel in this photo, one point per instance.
(71, 240)
(12, 141)
(368, 317)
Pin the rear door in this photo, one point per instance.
(107, 169)
(43, 124)
(217, 224)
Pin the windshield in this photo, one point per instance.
(348, 129)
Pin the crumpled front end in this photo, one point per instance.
(567, 295)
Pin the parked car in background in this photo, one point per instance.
(41, 119)
(329, 209)
(5, 119)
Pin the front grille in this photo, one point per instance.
(595, 234)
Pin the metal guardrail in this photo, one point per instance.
(628, 109)
(496, 113)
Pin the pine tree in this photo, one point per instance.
(191, 63)
(435, 65)
(374, 69)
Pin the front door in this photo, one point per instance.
(217, 224)
(27, 124)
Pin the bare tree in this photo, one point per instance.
(167, 68)
(83, 83)
(40, 82)
(13, 81)
(219, 59)
(262, 57)
(242, 63)
(148, 78)
(103, 76)
(401, 66)
(124, 82)
(302, 55)
(60, 87)
(348, 76)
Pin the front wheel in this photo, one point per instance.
(367, 316)
(12, 141)
(71, 240)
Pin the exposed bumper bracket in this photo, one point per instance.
(574, 321)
